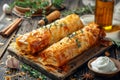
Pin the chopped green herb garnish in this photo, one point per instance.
(34, 73)
(78, 43)
(72, 35)
(61, 24)
(50, 25)
(81, 31)
(55, 23)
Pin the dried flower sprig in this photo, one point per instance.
(79, 11)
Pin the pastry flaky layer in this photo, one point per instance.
(71, 46)
(41, 38)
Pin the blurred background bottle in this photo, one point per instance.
(104, 13)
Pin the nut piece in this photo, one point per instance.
(107, 54)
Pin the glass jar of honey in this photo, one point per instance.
(104, 13)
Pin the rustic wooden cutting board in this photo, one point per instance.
(67, 69)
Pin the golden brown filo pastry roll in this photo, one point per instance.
(71, 46)
(41, 38)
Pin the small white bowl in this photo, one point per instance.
(108, 74)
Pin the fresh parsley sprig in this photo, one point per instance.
(35, 5)
(57, 3)
(34, 73)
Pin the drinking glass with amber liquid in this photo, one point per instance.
(104, 13)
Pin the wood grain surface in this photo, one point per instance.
(31, 24)
(58, 73)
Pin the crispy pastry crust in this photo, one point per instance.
(69, 47)
(41, 38)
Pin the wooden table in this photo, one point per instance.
(29, 25)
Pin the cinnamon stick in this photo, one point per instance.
(51, 17)
(13, 27)
(5, 29)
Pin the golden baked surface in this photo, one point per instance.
(41, 38)
(71, 46)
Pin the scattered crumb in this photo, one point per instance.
(1, 44)
(12, 76)
(1, 63)
(107, 53)
(8, 78)
(19, 74)
(22, 73)
(18, 34)
(8, 19)
(8, 72)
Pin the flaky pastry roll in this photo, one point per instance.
(41, 38)
(71, 46)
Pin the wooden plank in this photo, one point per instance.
(5, 40)
(58, 73)
(3, 48)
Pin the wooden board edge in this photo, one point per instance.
(42, 70)
(33, 65)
